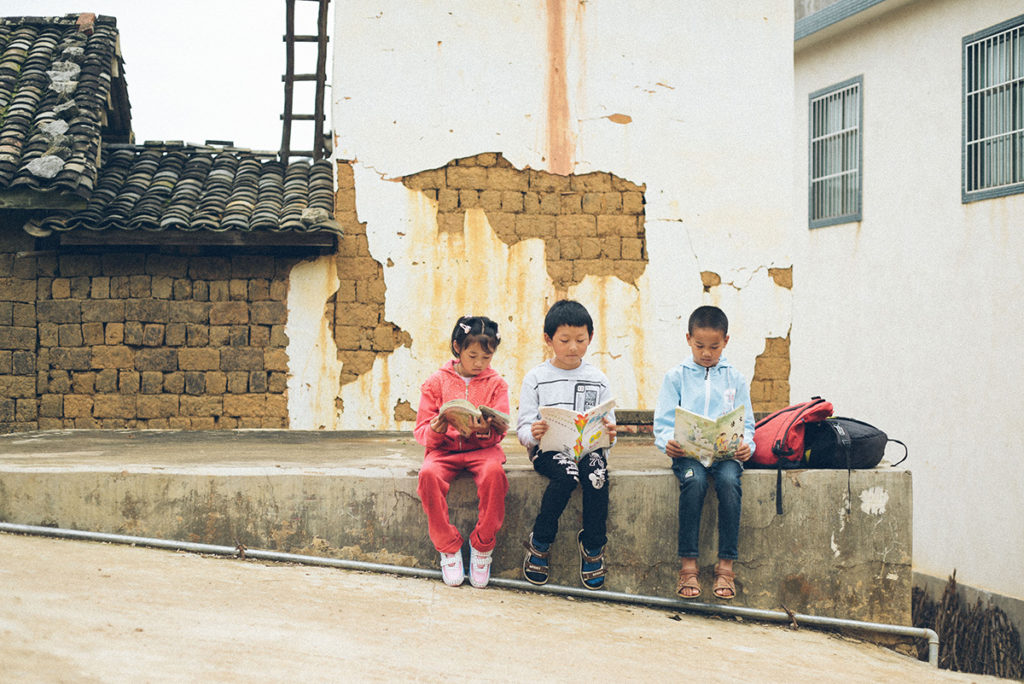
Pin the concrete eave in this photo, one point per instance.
(839, 18)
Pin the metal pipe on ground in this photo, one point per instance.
(554, 589)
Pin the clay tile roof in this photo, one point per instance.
(162, 186)
(57, 76)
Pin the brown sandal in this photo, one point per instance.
(687, 580)
(725, 584)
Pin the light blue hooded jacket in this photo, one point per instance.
(711, 392)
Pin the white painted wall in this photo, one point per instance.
(910, 319)
(709, 92)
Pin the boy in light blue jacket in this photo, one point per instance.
(708, 385)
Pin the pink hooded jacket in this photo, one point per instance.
(488, 388)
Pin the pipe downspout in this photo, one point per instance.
(426, 573)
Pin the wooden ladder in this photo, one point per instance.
(319, 148)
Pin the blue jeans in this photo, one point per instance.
(693, 485)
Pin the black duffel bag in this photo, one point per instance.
(848, 443)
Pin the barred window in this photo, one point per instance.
(993, 62)
(835, 149)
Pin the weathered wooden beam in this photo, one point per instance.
(20, 198)
(229, 238)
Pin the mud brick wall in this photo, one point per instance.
(142, 338)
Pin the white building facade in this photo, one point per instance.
(909, 186)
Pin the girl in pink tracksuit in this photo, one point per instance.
(449, 452)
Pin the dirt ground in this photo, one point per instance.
(74, 611)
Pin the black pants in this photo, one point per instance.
(564, 474)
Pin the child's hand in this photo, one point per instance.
(439, 425)
(481, 428)
(743, 452)
(674, 450)
(538, 429)
(612, 430)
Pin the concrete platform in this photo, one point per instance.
(350, 495)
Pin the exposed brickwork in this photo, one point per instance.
(591, 224)
(141, 338)
(357, 309)
(769, 390)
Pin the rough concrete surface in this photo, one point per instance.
(85, 612)
(354, 496)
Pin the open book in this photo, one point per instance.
(463, 415)
(575, 433)
(709, 440)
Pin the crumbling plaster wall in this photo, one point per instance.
(690, 102)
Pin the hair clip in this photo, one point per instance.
(497, 335)
(465, 328)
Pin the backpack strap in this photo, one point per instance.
(906, 452)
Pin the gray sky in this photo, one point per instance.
(203, 69)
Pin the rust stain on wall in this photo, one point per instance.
(620, 118)
(769, 389)
(560, 146)
(591, 224)
(360, 330)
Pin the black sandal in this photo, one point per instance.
(589, 575)
(530, 567)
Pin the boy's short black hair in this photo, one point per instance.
(708, 317)
(480, 329)
(567, 312)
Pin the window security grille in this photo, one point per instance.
(994, 112)
(835, 148)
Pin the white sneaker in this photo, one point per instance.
(451, 568)
(479, 567)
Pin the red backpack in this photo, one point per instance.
(779, 437)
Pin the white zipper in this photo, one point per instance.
(707, 390)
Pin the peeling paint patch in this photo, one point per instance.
(783, 277)
(404, 411)
(620, 118)
(769, 388)
(710, 279)
(591, 224)
(834, 546)
(874, 500)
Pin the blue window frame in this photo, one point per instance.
(835, 164)
(993, 137)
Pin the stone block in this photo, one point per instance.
(128, 381)
(113, 333)
(69, 335)
(58, 381)
(238, 289)
(103, 310)
(71, 358)
(23, 314)
(195, 382)
(226, 313)
(216, 382)
(157, 406)
(592, 182)
(617, 225)
(152, 382)
(632, 203)
(460, 177)
(152, 335)
(174, 382)
(51, 406)
(92, 334)
(18, 289)
(209, 268)
(158, 359)
(238, 382)
(268, 313)
(60, 288)
(23, 363)
(147, 310)
(123, 263)
(259, 335)
(167, 265)
(17, 386)
(12, 337)
(119, 356)
(114, 406)
(252, 266)
(259, 290)
(245, 405)
(241, 359)
(26, 410)
(83, 382)
(6, 362)
(542, 181)
(59, 311)
(575, 225)
(119, 287)
(219, 335)
(535, 226)
(77, 406)
(201, 406)
(199, 359)
(182, 289)
(174, 335)
(275, 360)
(99, 287)
(162, 287)
(79, 264)
(220, 291)
(197, 335)
(189, 312)
(258, 381)
(277, 383)
(238, 336)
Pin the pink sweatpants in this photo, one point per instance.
(439, 469)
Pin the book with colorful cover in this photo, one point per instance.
(576, 433)
(463, 415)
(709, 440)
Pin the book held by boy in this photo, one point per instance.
(463, 415)
(708, 440)
(576, 433)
